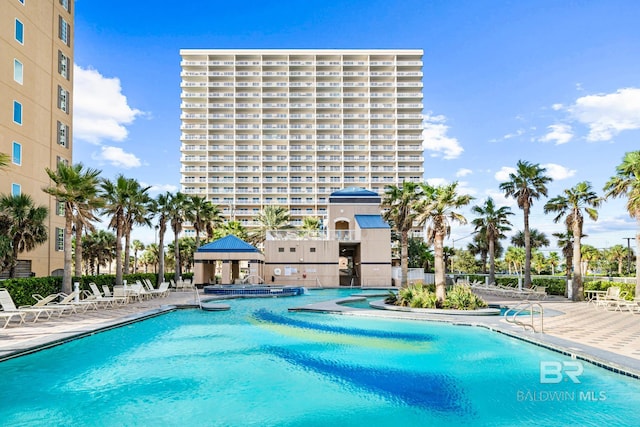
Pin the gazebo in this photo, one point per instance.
(229, 250)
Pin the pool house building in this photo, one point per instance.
(353, 248)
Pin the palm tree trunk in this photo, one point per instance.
(576, 285)
(119, 252)
(492, 262)
(162, 230)
(127, 255)
(404, 258)
(176, 252)
(527, 248)
(441, 290)
(68, 232)
(78, 263)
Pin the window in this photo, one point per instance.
(280, 249)
(59, 239)
(312, 249)
(59, 208)
(16, 190)
(17, 71)
(21, 1)
(65, 4)
(17, 153)
(63, 65)
(63, 134)
(292, 249)
(63, 31)
(63, 99)
(19, 32)
(17, 112)
(61, 160)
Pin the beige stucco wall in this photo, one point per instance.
(38, 96)
(306, 268)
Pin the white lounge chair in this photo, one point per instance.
(50, 302)
(71, 300)
(98, 297)
(8, 316)
(120, 299)
(8, 306)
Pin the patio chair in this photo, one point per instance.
(70, 299)
(120, 298)
(613, 298)
(8, 306)
(162, 291)
(50, 302)
(98, 297)
(7, 316)
(537, 292)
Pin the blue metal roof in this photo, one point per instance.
(354, 192)
(228, 243)
(371, 221)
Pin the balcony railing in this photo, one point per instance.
(297, 234)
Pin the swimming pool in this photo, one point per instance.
(258, 364)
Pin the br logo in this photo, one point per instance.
(556, 372)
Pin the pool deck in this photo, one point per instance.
(607, 338)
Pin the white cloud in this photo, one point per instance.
(161, 188)
(606, 115)
(463, 172)
(558, 172)
(503, 174)
(435, 182)
(118, 157)
(100, 110)
(560, 133)
(517, 133)
(500, 199)
(436, 139)
(557, 107)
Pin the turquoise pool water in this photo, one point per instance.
(258, 364)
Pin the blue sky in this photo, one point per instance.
(551, 82)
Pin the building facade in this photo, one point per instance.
(290, 127)
(36, 83)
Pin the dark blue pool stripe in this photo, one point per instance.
(267, 316)
(433, 392)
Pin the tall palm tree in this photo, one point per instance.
(590, 256)
(527, 184)
(438, 210)
(271, 218)
(25, 227)
(204, 216)
(553, 260)
(234, 228)
(570, 206)
(515, 257)
(626, 183)
(116, 197)
(537, 239)
(136, 212)
(491, 223)
(136, 245)
(617, 254)
(160, 208)
(77, 188)
(177, 214)
(99, 249)
(399, 204)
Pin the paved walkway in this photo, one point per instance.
(606, 337)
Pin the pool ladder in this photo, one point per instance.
(534, 308)
(197, 297)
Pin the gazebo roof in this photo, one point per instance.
(228, 244)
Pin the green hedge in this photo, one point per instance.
(21, 290)
(555, 284)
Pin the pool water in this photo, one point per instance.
(259, 364)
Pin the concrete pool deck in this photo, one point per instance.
(607, 338)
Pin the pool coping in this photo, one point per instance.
(610, 361)
(44, 342)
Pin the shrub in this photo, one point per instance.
(460, 297)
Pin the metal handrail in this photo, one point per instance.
(522, 306)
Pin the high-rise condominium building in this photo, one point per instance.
(36, 84)
(290, 127)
